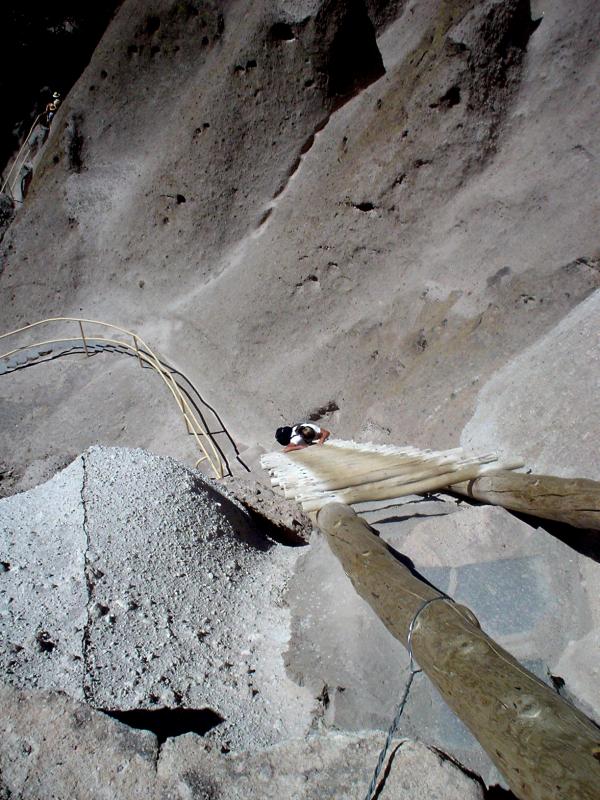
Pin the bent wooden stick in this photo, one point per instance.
(545, 748)
(575, 501)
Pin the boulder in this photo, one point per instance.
(133, 583)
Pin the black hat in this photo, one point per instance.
(283, 435)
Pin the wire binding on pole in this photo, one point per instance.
(414, 670)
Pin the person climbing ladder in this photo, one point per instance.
(297, 437)
(52, 108)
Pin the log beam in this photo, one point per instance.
(545, 748)
(575, 501)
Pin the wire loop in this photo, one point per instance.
(414, 670)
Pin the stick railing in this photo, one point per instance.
(17, 159)
(144, 355)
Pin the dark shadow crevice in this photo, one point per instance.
(494, 792)
(166, 723)
(351, 59)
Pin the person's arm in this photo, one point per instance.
(290, 447)
(324, 435)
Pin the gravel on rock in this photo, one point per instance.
(160, 593)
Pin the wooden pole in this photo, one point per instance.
(137, 350)
(85, 347)
(575, 501)
(545, 748)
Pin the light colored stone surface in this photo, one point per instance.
(53, 747)
(334, 765)
(49, 747)
(282, 518)
(159, 592)
(578, 665)
(43, 594)
(208, 624)
(543, 405)
(339, 648)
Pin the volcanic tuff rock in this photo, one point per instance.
(282, 518)
(287, 248)
(50, 748)
(130, 583)
(383, 211)
(150, 594)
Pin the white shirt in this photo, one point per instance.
(297, 437)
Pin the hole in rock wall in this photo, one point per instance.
(75, 143)
(498, 793)
(45, 643)
(265, 216)
(521, 27)
(353, 60)
(318, 413)
(281, 32)
(449, 99)
(152, 25)
(168, 722)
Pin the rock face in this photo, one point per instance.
(131, 584)
(50, 749)
(50, 46)
(380, 214)
(206, 183)
(282, 518)
(149, 590)
(528, 406)
(44, 594)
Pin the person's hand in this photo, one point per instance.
(324, 436)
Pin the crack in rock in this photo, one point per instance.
(87, 570)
